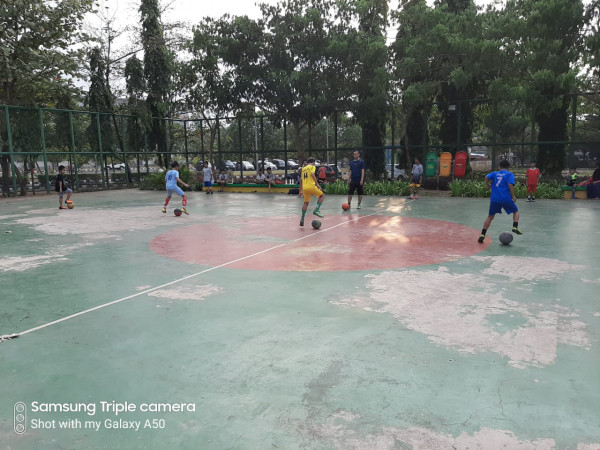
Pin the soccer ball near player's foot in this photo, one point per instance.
(505, 238)
(316, 224)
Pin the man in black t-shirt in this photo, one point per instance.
(357, 178)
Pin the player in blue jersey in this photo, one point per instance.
(171, 179)
(502, 184)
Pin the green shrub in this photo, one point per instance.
(473, 188)
(387, 188)
(153, 182)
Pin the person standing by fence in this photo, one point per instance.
(533, 175)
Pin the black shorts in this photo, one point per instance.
(355, 186)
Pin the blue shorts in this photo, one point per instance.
(207, 184)
(496, 207)
(176, 190)
(67, 191)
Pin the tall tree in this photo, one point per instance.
(136, 104)
(157, 71)
(40, 55)
(368, 74)
(99, 99)
(301, 81)
(546, 51)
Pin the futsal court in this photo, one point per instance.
(232, 327)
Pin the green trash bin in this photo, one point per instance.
(430, 164)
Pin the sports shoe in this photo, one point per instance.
(515, 230)
(358, 206)
(481, 238)
(533, 199)
(318, 213)
(528, 199)
(164, 209)
(183, 210)
(62, 207)
(302, 222)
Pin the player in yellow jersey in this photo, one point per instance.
(310, 187)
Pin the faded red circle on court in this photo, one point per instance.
(344, 242)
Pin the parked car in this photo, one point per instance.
(291, 164)
(399, 172)
(118, 166)
(229, 165)
(245, 165)
(280, 163)
(267, 164)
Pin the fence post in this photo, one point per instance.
(146, 150)
(185, 143)
(73, 150)
(127, 180)
(44, 155)
(218, 124)
(102, 167)
(335, 137)
(573, 131)
(262, 141)
(202, 141)
(10, 150)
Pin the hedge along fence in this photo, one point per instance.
(156, 181)
(474, 188)
(386, 188)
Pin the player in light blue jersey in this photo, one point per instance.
(171, 179)
(502, 184)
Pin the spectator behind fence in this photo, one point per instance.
(593, 187)
(222, 180)
(572, 179)
(270, 178)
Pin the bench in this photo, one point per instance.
(580, 192)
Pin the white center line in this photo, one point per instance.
(80, 313)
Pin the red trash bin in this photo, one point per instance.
(460, 164)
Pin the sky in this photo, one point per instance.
(123, 12)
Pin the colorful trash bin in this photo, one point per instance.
(445, 164)
(460, 164)
(430, 164)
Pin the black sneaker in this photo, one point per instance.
(481, 238)
(515, 230)
(302, 223)
(533, 199)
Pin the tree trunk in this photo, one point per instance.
(552, 127)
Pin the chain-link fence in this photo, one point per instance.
(105, 151)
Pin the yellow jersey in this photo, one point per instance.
(307, 176)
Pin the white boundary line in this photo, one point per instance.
(80, 313)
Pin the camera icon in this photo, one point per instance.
(20, 418)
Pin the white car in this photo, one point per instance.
(118, 166)
(246, 165)
(267, 165)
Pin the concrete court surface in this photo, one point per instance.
(234, 328)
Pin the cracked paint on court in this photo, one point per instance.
(468, 313)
